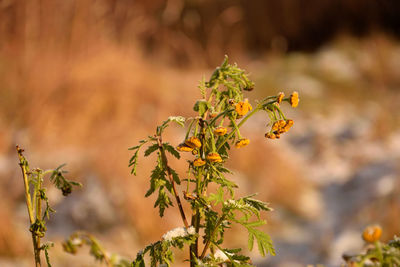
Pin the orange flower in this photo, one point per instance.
(294, 99)
(243, 107)
(372, 233)
(281, 126)
(242, 142)
(198, 162)
(193, 142)
(280, 97)
(278, 125)
(184, 148)
(270, 135)
(214, 157)
(220, 131)
(289, 123)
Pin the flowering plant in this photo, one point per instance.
(221, 112)
(36, 197)
(377, 253)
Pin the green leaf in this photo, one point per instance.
(150, 150)
(178, 119)
(175, 176)
(171, 150)
(46, 248)
(162, 202)
(217, 198)
(201, 106)
(264, 242)
(257, 204)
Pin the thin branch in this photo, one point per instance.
(206, 246)
(23, 165)
(171, 179)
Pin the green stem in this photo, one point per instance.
(38, 201)
(171, 179)
(379, 250)
(238, 126)
(24, 168)
(208, 242)
(212, 140)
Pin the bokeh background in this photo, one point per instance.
(83, 80)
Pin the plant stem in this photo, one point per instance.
(23, 165)
(206, 246)
(171, 179)
(238, 126)
(38, 203)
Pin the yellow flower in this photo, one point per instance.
(220, 131)
(184, 148)
(280, 97)
(372, 233)
(243, 107)
(242, 142)
(270, 135)
(278, 126)
(281, 126)
(294, 99)
(289, 123)
(198, 162)
(214, 157)
(193, 142)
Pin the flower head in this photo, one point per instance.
(372, 233)
(270, 135)
(214, 157)
(243, 107)
(280, 97)
(193, 142)
(280, 127)
(220, 131)
(242, 142)
(294, 99)
(184, 148)
(289, 123)
(198, 162)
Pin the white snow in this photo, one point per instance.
(178, 232)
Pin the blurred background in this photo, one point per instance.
(83, 80)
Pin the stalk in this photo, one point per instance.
(171, 179)
(28, 199)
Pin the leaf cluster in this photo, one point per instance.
(210, 136)
(79, 239)
(377, 254)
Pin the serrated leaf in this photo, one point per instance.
(201, 106)
(264, 242)
(150, 150)
(178, 119)
(217, 198)
(162, 202)
(175, 176)
(171, 150)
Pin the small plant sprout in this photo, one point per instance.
(210, 135)
(78, 239)
(35, 197)
(376, 253)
